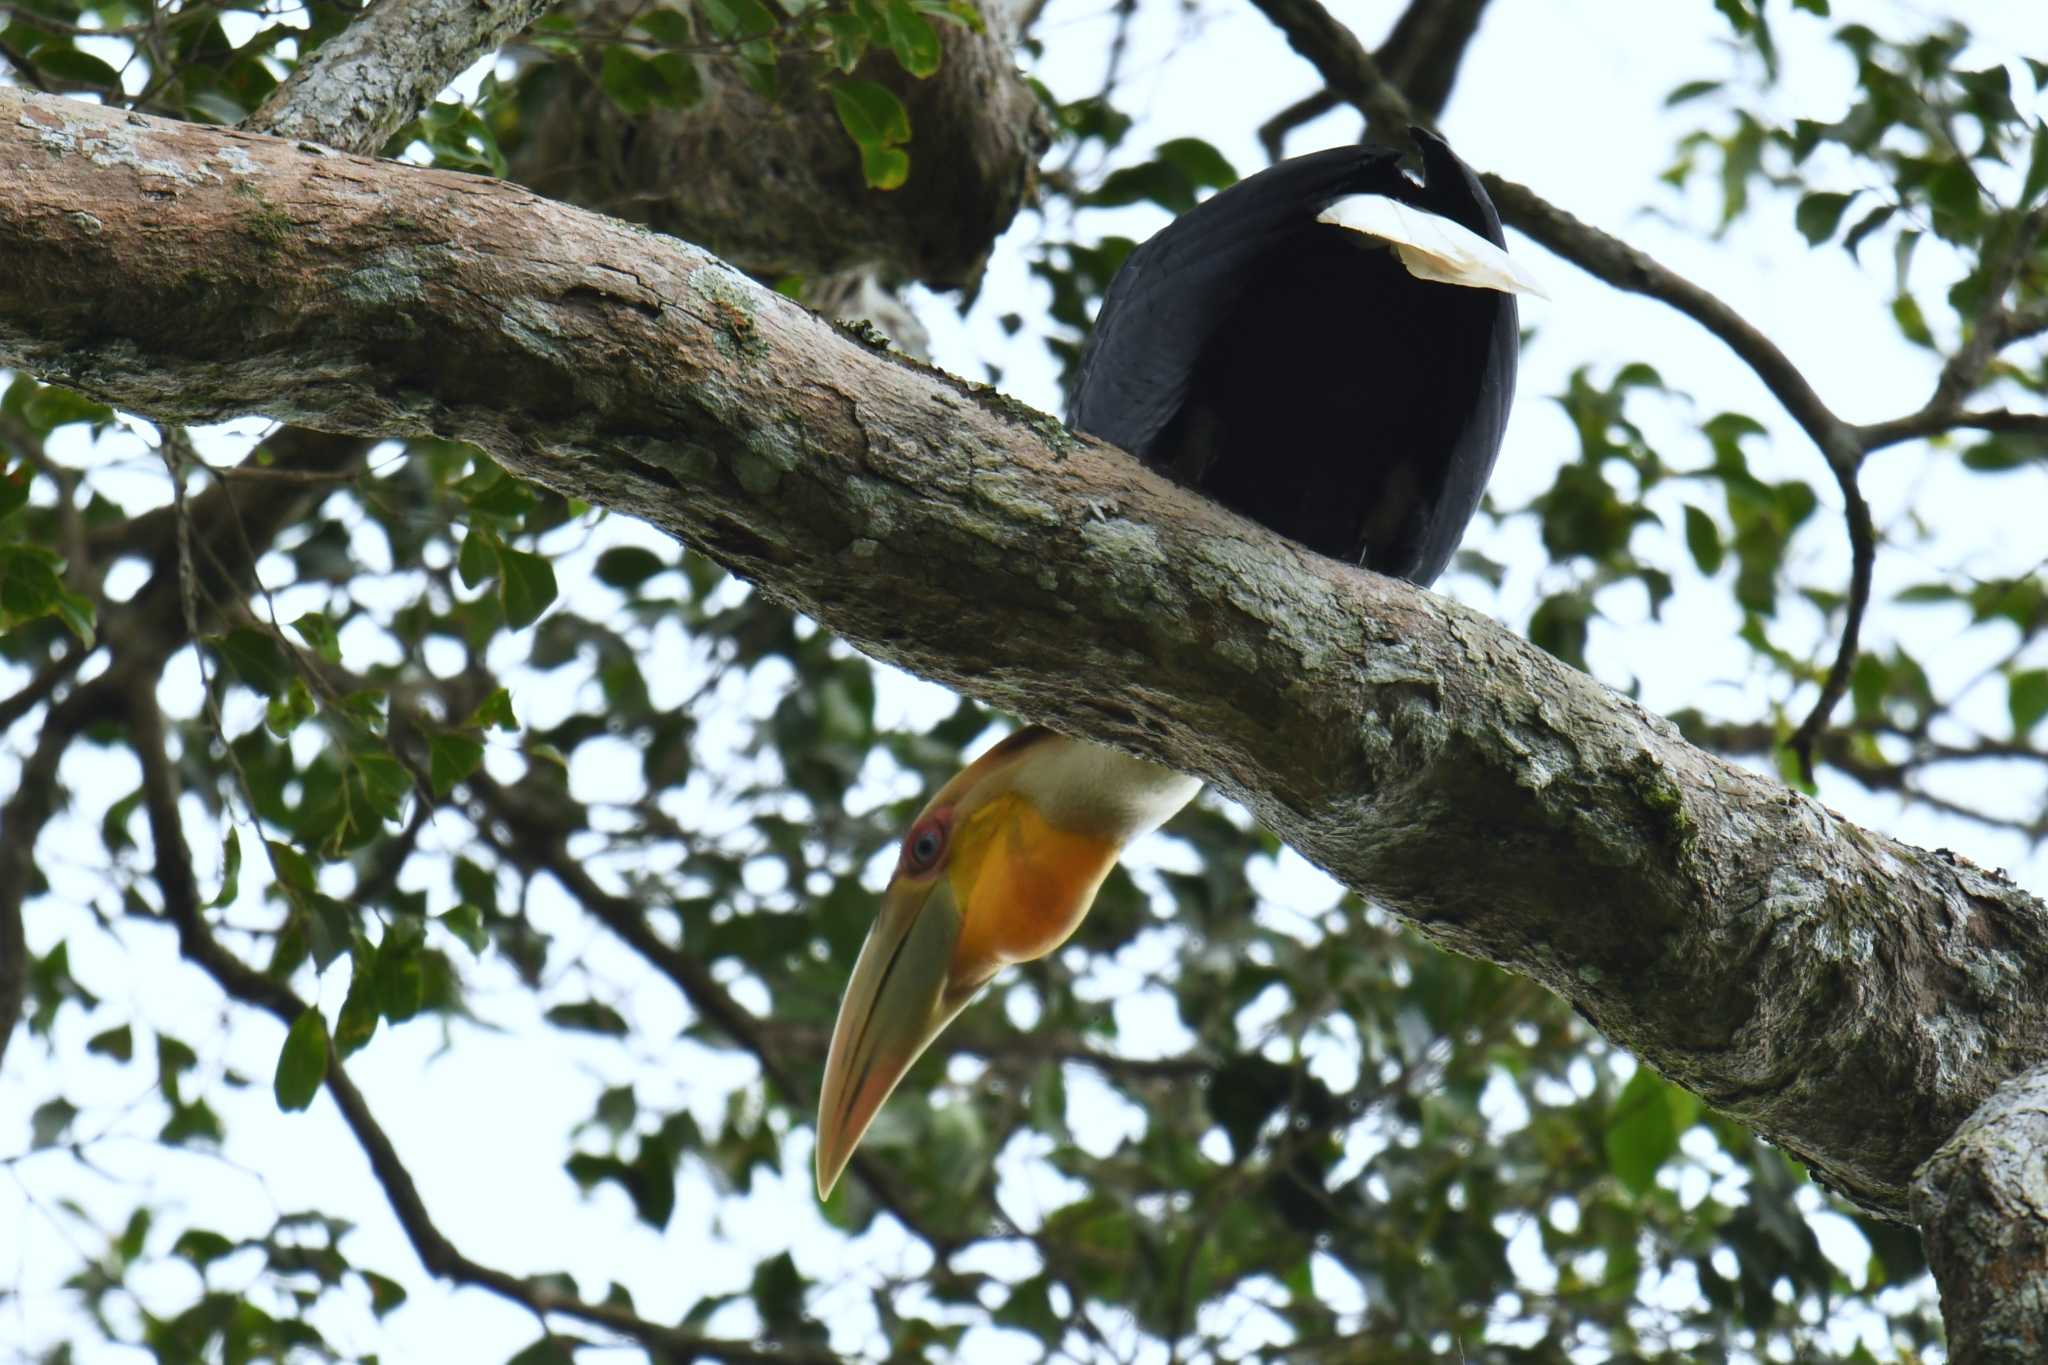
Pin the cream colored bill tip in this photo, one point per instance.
(1432, 247)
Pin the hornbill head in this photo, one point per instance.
(998, 868)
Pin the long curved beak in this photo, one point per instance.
(901, 996)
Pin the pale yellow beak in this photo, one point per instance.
(903, 993)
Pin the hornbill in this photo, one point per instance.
(1327, 347)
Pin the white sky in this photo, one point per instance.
(1563, 95)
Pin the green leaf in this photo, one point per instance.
(740, 19)
(51, 407)
(69, 64)
(1200, 162)
(50, 1121)
(29, 585)
(383, 781)
(1690, 91)
(118, 1043)
(292, 867)
(1558, 625)
(401, 976)
(494, 712)
(878, 124)
(1867, 224)
(477, 562)
(2037, 168)
(302, 1063)
(14, 488)
(681, 85)
(466, 922)
(1643, 1133)
(911, 38)
(527, 586)
(316, 628)
(451, 758)
(1703, 538)
(549, 1350)
(287, 712)
(1912, 323)
(255, 659)
(849, 41)
(201, 1246)
(589, 1016)
(385, 1294)
(626, 567)
(1820, 213)
(214, 107)
(1998, 454)
(357, 1022)
(231, 870)
(627, 77)
(2027, 698)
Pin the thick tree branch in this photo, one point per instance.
(1982, 1205)
(1851, 997)
(363, 85)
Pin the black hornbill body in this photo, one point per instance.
(1328, 347)
(1295, 370)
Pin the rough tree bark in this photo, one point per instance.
(775, 186)
(1982, 1205)
(1851, 997)
(363, 85)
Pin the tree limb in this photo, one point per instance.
(1427, 44)
(365, 83)
(1982, 1205)
(1849, 996)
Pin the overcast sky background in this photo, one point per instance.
(1562, 95)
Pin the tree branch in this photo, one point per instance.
(22, 818)
(1849, 996)
(1422, 53)
(1916, 426)
(1982, 1205)
(365, 83)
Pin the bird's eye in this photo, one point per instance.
(922, 849)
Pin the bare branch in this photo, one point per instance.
(1273, 132)
(1862, 563)
(1919, 425)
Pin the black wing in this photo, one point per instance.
(1295, 371)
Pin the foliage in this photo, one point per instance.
(456, 728)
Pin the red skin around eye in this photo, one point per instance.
(939, 822)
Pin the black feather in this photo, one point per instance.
(1296, 372)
